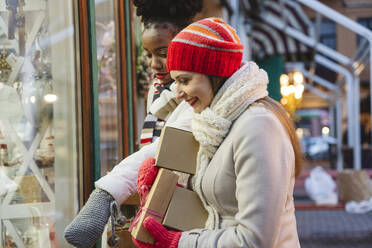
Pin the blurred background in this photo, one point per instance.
(73, 86)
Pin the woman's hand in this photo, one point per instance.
(163, 237)
(146, 176)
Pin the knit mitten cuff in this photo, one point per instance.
(173, 239)
(87, 227)
(163, 237)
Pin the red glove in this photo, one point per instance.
(146, 176)
(163, 237)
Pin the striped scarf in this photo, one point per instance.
(163, 102)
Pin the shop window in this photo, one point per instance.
(106, 32)
(39, 139)
(327, 34)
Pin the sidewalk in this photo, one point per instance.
(334, 228)
(329, 227)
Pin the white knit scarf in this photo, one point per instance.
(211, 126)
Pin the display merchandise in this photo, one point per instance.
(44, 155)
(5, 68)
(27, 151)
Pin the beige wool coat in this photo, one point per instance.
(250, 181)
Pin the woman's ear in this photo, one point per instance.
(216, 82)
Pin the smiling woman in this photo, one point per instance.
(248, 154)
(195, 88)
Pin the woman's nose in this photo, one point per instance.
(155, 64)
(180, 93)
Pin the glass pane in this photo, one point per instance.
(328, 34)
(107, 84)
(38, 132)
(317, 136)
(366, 22)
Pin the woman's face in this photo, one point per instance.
(155, 42)
(194, 88)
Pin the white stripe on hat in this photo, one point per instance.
(228, 31)
(209, 29)
(206, 46)
(202, 34)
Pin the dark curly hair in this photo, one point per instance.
(177, 12)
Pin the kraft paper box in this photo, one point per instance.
(177, 150)
(157, 201)
(125, 239)
(185, 211)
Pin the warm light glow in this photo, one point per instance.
(300, 133)
(284, 80)
(299, 89)
(297, 95)
(50, 98)
(298, 78)
(284, 90)
(283, 101)
(325, 131)
(291, 88)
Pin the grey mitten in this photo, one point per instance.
(87, 227)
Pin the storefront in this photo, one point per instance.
(67, 97)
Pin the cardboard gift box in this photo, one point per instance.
(181, 208)
(177, 150)
(185, 211)
(157, 202)
(125, 239)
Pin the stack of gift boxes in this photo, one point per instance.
(175, 207)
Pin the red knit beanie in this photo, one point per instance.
(209, 46)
